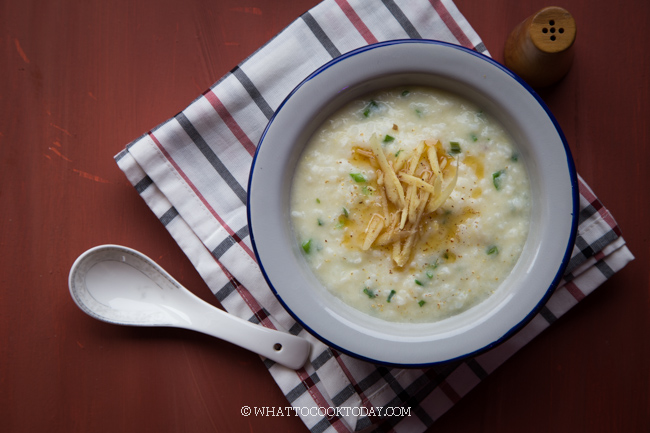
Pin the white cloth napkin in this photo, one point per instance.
(192, 171)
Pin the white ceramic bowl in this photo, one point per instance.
(539, 141)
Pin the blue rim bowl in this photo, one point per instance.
(554, 204)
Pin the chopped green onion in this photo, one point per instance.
(497, 179)
(493, 250)
(429, 274)
(514, 157)
(455, 147)
(388, 138)
(358, 177)
(418, 112)
(473, 137)
(320, 221)
(421, 303)
(397, 153)
(306, 246)
(369, 292)
(343, 219)
(366, 190)
(418, 282)
(390, 295)
(405, 93)
(318, 200)
(372, 106)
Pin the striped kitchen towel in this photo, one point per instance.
(192, 171)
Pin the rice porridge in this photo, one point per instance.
(411, 204)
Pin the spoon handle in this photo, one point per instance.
(281, 347)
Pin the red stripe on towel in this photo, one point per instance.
(451, 24)
(575, 291)
(356, 21)
(230, 122)
(214, 213)
(586, 192)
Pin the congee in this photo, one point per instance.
(411, 204)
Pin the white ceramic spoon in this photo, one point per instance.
(119, 285)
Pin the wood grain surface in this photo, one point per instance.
(81, 79)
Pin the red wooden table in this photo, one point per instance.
(80, 80)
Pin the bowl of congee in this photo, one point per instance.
(412, 202)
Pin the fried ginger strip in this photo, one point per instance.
(410, 187)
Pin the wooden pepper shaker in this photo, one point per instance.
(540, 49)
